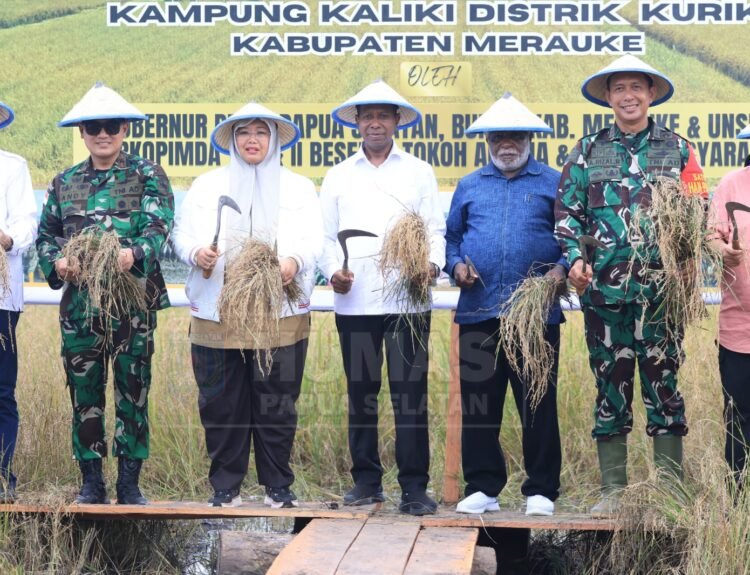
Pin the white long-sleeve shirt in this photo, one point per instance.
(18, 219)
(299, 235)
(358, 195)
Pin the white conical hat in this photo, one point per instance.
(508, 115)
(101, 103)
(6, 115)
(221, 137)
(594, 87)
(376, 93)
(744, 133)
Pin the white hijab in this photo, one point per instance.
(256, 189)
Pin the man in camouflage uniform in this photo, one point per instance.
(116, 191)
(603, 183)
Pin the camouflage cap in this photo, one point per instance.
(101, 103)
(376, 93)
(594, 87)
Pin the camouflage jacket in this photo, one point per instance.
(603, 182)
(133, 198)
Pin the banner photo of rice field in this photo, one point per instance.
(189, 65)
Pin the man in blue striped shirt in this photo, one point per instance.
(502, 218)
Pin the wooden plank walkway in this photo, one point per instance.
(318, 549)
(351, 547)
(446, 516)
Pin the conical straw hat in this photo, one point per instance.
(221, 137)
(376, 93)
(101, 103)
(508, 115)
(594, 87)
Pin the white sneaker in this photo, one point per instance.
(539, 505)
(477, 503)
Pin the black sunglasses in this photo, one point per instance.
(93, 127)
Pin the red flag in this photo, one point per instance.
(693, 180)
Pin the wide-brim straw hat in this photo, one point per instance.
(6, 115)
(376, 93)
(594, 87)
(101, 103)
(508, 115)
(288, 131)
(744, 133)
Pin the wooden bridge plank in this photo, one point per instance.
(197, 510)
(383, 546)
(192, 510)
(518, 520)
(318, 549)
(443, 551)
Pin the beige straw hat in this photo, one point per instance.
(6, 115)
(594, 87)
(376, 93)
(101, 103)
(221, 137)
(508, 115)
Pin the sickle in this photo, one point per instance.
(223, 201)
(344, 235)
(583, 243)
(731, 208)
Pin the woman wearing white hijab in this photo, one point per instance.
(238, 403)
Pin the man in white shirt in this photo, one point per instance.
(370, 191)
(18, 224)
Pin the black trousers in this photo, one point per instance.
(734, 369)
(239, 405)
(362, 341)
(8, 405)
(484, 381)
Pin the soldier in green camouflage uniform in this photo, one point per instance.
(603, 183)
(132, 196)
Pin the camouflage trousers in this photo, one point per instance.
(617, 336)
(87, 347)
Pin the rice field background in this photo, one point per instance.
(55, 50)
(701, 511)
(66, 47)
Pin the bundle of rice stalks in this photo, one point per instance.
(112, 292)
(4, 274)
(673, 252)
(251, 300)
(522, 324)
(405, 255)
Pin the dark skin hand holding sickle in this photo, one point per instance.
(341, 281)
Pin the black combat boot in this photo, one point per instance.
(93, 490)
(128, 472)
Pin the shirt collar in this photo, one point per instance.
(87, 167)
(532, 168)
(395, 152)
(655, 131)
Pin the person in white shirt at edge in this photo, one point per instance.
(238, 403)
(370, 191)
(18, 225)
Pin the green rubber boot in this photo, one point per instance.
(668, 455)
(613, 460)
